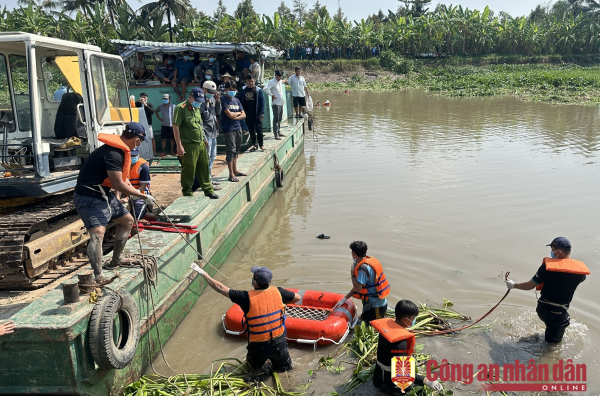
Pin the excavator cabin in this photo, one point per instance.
(55, 97)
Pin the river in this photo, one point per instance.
(448, 193)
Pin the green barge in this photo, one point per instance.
(49, 352)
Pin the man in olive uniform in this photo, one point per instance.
(191, 145)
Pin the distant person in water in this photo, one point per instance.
(557, 278)
(369, 283)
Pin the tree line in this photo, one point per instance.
(567, 27)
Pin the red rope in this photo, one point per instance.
(438, 332)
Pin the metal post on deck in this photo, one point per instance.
(41, 150)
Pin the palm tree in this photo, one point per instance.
(172, 8)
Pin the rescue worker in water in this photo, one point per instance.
(264, 309)
(557, 278)
(108, 167)
(396, 340)
(369, 283)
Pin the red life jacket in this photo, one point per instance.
(381, 285)
(116, 142)
(265, 319)
(568, 266)
(393, 332)
(134, 175)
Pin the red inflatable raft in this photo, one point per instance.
(310, 321)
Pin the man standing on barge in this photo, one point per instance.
(191, 145)
(264, 309)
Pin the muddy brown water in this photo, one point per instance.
(448, 193)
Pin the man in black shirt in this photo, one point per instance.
(149, 110)
(106, 167)
(253, 102)
(266, 333)
(557, 278)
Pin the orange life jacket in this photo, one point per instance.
(134, 175)
(568, 266)
(265, 320)
(381, 285)
(393, 332)
(116, 142)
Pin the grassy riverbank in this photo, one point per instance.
(557, 79)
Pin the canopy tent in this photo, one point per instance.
(128, 48)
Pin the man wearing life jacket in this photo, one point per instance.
(396, 340)
(264, 316)
(369, 283)
(557, 278)
(105, 168)
(139, 177)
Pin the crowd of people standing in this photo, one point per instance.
(314, 52)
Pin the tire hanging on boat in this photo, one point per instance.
(108, 351)
(279, 176)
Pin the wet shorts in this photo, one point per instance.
(233, 144)
(95, 212)
(299, 101)
(374, 313)
(276, 350)
(166, 132)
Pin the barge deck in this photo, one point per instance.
(49, 352)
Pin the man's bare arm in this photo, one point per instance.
(118, 184)
(216, 285)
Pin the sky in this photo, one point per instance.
(354, 9)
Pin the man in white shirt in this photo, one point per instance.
(255, 69)
(275, 88)
(299, 92)
(164, 113)
(137, 67)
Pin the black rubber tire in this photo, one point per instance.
(279, 176)
(106, 354)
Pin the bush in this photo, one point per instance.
(396, 63)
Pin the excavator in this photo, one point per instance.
(56, 96)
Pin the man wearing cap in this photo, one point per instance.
(275, 88)
(264, 309)
(183, 74)
(201, 74)
(108, 167)
(557, 278)
(165, 113)
(211, 110)
(191, 146)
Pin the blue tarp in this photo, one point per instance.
(128, 48)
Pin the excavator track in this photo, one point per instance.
(16, 230)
